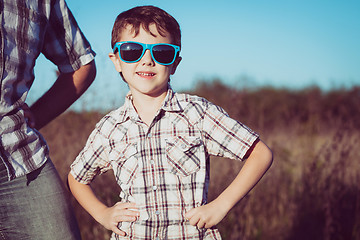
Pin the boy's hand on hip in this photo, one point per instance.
(120, 212)
(206, 216)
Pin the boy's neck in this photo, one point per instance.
(147, 106)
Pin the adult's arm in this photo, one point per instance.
(66, 90)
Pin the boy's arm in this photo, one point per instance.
(254, 168)
(66, 90)
(109, 217)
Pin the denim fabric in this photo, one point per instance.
(36, 207)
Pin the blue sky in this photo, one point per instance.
(280, 43)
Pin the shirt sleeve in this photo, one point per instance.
(224, 136)
(92, 160)
(64, 43)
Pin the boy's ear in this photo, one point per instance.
(116, 61)
(175, 65)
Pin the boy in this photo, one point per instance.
(158, 143)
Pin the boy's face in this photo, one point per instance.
(145, 76)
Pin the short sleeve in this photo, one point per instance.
(92, 160)
(65, 44)
(224, 136)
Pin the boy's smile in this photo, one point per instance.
(145, 76)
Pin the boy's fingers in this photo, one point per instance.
(190, 214)
(116, 230)
(207, 225)
(193, 220)
(131, 213)
(124, 218)
(120, 211)
(122, 205)
(201, 224)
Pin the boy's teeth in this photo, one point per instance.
(146, 74)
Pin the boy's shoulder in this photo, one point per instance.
(108, 122)
(195, 107)
(190, 101)
(187, 97)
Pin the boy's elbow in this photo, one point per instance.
(70, 181)
(70, 176)
(270, 157)
(267, 154)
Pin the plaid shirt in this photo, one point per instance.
(164, 167)
(28, 28)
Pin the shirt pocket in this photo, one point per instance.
(124, 159)
(184, 155)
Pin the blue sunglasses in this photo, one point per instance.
(162, 53)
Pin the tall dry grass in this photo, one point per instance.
(311, 191)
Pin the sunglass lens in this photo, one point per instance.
(163, 53)
(131, 51)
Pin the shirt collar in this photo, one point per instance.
(129, 108)
(170, 104)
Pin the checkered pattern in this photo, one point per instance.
(28, 28)
(163, 167)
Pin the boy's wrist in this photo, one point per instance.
(223, 203)
(100, 214)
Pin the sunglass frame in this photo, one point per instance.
(146, 47)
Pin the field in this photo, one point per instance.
(312, 190)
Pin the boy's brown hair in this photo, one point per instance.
(143, 16)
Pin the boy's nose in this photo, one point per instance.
(147, 59)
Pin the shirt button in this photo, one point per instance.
(157, 212)
(157, 238)
(154, 188)
(149, 135)
(152, 162)
(183, 146)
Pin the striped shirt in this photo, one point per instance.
(28, 28)
(164, 167)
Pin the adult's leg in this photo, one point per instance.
(37, 206)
